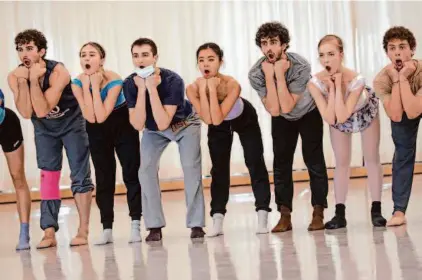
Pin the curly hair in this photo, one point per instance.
(271, 30)
(401, 33)
(32, 35)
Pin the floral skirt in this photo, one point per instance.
(362, 118)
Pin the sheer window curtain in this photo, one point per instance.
(179, 28)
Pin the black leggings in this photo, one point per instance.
(115, 134)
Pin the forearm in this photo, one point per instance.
(139, 115)
(98, 106)
(39, 102)
(88, 108)
(329, 114)
(272, 103)
(412, 104)
(285, 98)
(23, 99)
(205, 108)
(215, 109)
(341, 111)
(161, 117)
(394, 107)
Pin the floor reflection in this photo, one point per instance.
(358, 252)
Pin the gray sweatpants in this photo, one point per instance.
(152, 146)
(50, 138)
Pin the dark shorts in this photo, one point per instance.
(11, 137)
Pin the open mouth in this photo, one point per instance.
(87, 66)
(328, 68)
(399, 64)
(206, 72)
(141, 67)
(271, 56)
(27, 62)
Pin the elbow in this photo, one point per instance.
(162, 126)
(139, 127)
(411, 114)
(396, 118)
(217, 122)
(207, 121)
(342, 119)
(101, 119)
(286, 110)
(330, 121)
(25, 114)
(274, 111)
(41, 115)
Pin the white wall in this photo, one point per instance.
(180, 27)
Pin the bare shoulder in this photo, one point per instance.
(60, 69)
(320, 75)
(230, 81)
(111, 75)
(59, 75)
(192, 88)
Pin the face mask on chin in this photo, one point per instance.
(145, 72)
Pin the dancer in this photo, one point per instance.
(399, 87)
(155, 98)
(11, 141)
(216, 98)
(280, 79)
(100, 97)
(349, 106)
(43, 93)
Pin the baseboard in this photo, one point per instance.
(242, 180)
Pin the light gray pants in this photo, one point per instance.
(152, 146)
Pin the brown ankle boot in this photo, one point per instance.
(285, 223)
(317, 222)
(154, 235)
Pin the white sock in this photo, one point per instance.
(135, 232)
(262, 222)
(217, 228)
(106, 238)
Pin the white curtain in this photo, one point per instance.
(179, 28)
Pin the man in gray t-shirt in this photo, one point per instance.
(280, 79)
(297, 77)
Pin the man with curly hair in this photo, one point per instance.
(280, 79)
(399, 86)
(43, 93)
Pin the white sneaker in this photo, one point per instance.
(217, 228)
(262, 222)
(135, 232)
(106, 238)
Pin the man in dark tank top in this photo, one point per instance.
(43, 93)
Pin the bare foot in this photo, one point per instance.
(80, 239)
(49, 239)
(398, 219)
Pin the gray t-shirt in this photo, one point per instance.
(297, 78)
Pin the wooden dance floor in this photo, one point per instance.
(360, 252)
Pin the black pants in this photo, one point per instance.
(115, 134)
(285, 135)
(220, 140)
